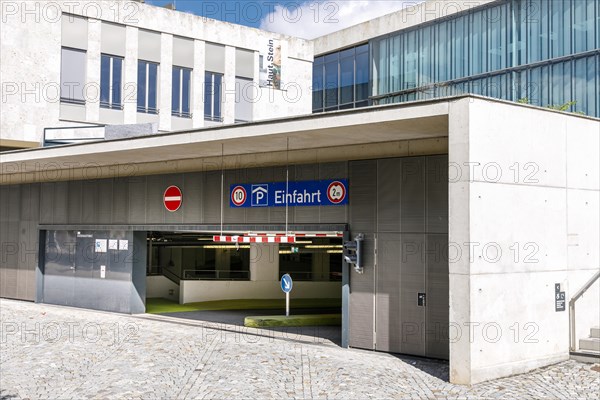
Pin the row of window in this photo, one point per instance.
(510, 34)
(341, 80)
(496, 50)
(570, 81)
(73, 80)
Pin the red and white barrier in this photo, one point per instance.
(254, 239)
(298, 235)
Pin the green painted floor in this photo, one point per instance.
(161, 306)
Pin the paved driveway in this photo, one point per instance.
(60, 353)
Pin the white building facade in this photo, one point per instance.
(125, 63)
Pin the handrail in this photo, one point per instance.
(173, 276)
(572, 331)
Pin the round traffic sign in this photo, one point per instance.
(286, 283)
(172, 198)
(238, 196)
(336, 192)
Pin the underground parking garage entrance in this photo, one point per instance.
(398, 303)
(191, 267)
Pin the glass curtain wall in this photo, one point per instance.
(544, 51)
(341, 80)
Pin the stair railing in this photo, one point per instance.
(572, 330)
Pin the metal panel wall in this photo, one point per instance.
(74, 31)
(363, 214)
(399, 204)
(19, 218)
(403, 204)
(113, 39)
(76, 274)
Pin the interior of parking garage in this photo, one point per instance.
(200, 264)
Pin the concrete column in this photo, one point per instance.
(264, 262)
(198, 84)
(130, 75)
(320, 266)
(92, 94)
(166, 82)
(223, 261)
(229, 86)
(459, 220)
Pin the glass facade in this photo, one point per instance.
(147, 89)
(111, 76)
(546, 52)
(341, 80)
(213, 84)
(181, 87)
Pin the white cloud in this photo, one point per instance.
(311, 19)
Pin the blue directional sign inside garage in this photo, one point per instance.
(286, 283)
(305, 193)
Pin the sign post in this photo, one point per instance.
(172, 198)
(286, 286)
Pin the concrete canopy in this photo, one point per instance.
(323, 137)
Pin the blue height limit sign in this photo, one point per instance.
(332, 192)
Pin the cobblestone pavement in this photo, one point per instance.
(59, 353)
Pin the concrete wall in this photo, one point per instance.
(31, 35)
(193, 291)
(264, 262)
(157, 286)
(524, 200)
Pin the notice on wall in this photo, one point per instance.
(559, 299)
(270, 64)
(123, 244)
(113, 244)
(100, 246)
(103, 271)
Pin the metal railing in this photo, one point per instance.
(172, 276)
(572, 330)
(215, 275)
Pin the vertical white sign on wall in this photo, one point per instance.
(270, 64)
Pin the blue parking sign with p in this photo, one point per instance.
(327, 192)
(260, 195)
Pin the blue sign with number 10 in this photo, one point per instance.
(293, 194)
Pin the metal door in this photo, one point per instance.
(59, 268)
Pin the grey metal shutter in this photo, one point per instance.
(363, 212)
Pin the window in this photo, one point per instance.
(72, 76)
(213, 83)
(341, 80)
(111, 78)
(147, 92)
(181, 92)
(244, 92)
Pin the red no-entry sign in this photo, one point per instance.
(172, 198)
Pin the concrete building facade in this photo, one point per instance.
(479, 215)
(117, 63)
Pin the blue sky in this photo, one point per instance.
(244, 12)
(303, 18)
